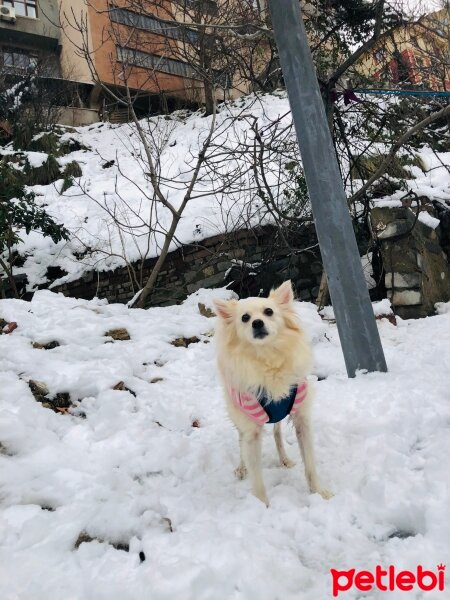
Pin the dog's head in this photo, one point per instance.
(260, 320)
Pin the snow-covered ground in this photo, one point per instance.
(154, 470)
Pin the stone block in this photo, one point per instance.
(205, 283)
(405, 297)
(236, 253)
(403, 280)
(224, 265)
(393, 229)
(400, 258)
(208, 271)
(387, 214)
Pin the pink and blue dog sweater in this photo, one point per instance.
(261, 410)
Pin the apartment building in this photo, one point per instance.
(414, 55)
(29, 34)
(105, 47)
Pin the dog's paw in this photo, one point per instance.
(241, 472)
(326, 494)
(287, 462)
(262, 496)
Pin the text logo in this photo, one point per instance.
(388, 580)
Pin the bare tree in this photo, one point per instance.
(223, 50)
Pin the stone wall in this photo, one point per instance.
(249, 261)
(416, 269)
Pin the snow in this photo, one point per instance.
(88, 208)
(122, 191)
(36, 159)
(442, 308)
(136, 471)
(429, 220)
(366, 262)
(381, 308)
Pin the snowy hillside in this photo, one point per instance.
(115, 185)
(130, 494)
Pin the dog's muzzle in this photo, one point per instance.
(259, 329)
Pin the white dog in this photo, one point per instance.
(264, 360)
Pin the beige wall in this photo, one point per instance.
(74, 66)
(76, 117)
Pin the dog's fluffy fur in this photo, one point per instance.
(273, 356)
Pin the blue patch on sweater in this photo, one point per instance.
(277, 411)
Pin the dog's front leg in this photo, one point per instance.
(251, 454)
(250, 446)
(241, 470)
(303, 431)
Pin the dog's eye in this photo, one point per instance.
(268, 312)
(246, 318)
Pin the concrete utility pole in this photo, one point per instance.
(352, 307)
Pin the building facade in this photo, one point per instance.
(106, 49)
(30, 35)
(415, 55)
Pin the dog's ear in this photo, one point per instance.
(225, 309)
(283, 295)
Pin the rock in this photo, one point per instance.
(4, 450)
(183, 342)
(9, 327)
(85, 538)
(108, 164)
(156, 379)
(61, 401)
(3, 323)
(39, 389)
(48, 346)
(168, 523)
(118, 334)
(206, 312)
(123, 388)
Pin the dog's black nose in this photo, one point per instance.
(258, 324)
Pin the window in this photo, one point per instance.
(158, 63)
(140, 21)
(16, 59)
(169, 65)
(23, 8)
